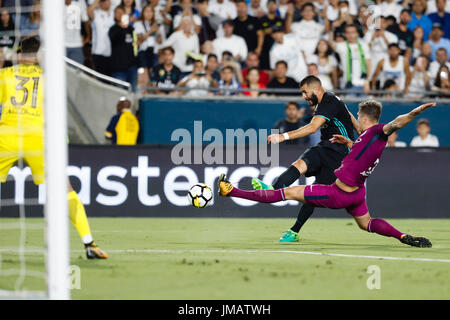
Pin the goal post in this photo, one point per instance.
(56, 206)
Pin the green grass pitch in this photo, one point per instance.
(241, 259)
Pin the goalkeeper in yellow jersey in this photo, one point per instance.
(22, 131)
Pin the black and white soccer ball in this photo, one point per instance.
(199, 195)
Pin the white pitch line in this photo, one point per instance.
(150, 251)
(282, 251)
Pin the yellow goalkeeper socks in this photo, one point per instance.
(78, 217)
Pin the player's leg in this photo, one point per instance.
(324, 175)
(384, 228)
(308, 162)
(77, 214)
(226, 189)
(78, 217)
(294, 172)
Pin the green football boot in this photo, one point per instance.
(289, 236)
(259, 185)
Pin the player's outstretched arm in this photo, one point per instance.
(402, 120)
(355, 123)
(304, 131)
(337, 138)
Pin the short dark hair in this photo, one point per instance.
(393, 44)
(227, 53)
(168, 48)
(30, 45)
(309, 80)
(371, 108)
(423, 121)
(212, 55)
(227, 68)
(408, 11)
(351, 25)
(307, 4)
(281, 62)
(292, 103)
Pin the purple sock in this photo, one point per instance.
(267, 196)
(380, 226)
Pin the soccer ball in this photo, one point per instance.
(199, 195)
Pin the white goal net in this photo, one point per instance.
(34, 249)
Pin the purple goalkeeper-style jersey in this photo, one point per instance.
(363, 157)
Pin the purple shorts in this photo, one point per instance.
(331, 196)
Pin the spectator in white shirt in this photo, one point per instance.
(420, 81)
(225, 9)
(114, 3)
(425, 138)
(378, 39)
(102, 19)
(222, 10)
(393, 143)
(199, 81)
(230, 42)
(256, 9)
(285, 48)
(355, 60)
(392, 67)
(75, 14)
(283, 6)
(187, 11)
(325, 80)
(435, 66)
(183, 41)
(326, 62)
(332, 10)
(307, 31)
(148, 38)
(389, 8)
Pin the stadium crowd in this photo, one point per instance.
(254, 48)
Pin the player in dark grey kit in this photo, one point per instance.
(332, 117)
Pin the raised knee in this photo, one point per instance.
(300, 165)
(363, 225)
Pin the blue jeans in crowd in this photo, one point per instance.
(129, 76)
(76, 54)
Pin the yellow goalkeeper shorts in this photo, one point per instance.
(28, 147)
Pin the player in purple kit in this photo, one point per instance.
(348, 190)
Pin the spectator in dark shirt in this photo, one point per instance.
(281, 81)
(7, 38)
(248, 27)
(291, 122)
(405, 36)
(6, 29)
(268, 21)
(123, 59)
(212, 66)
(165, 75)
(210, 23)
